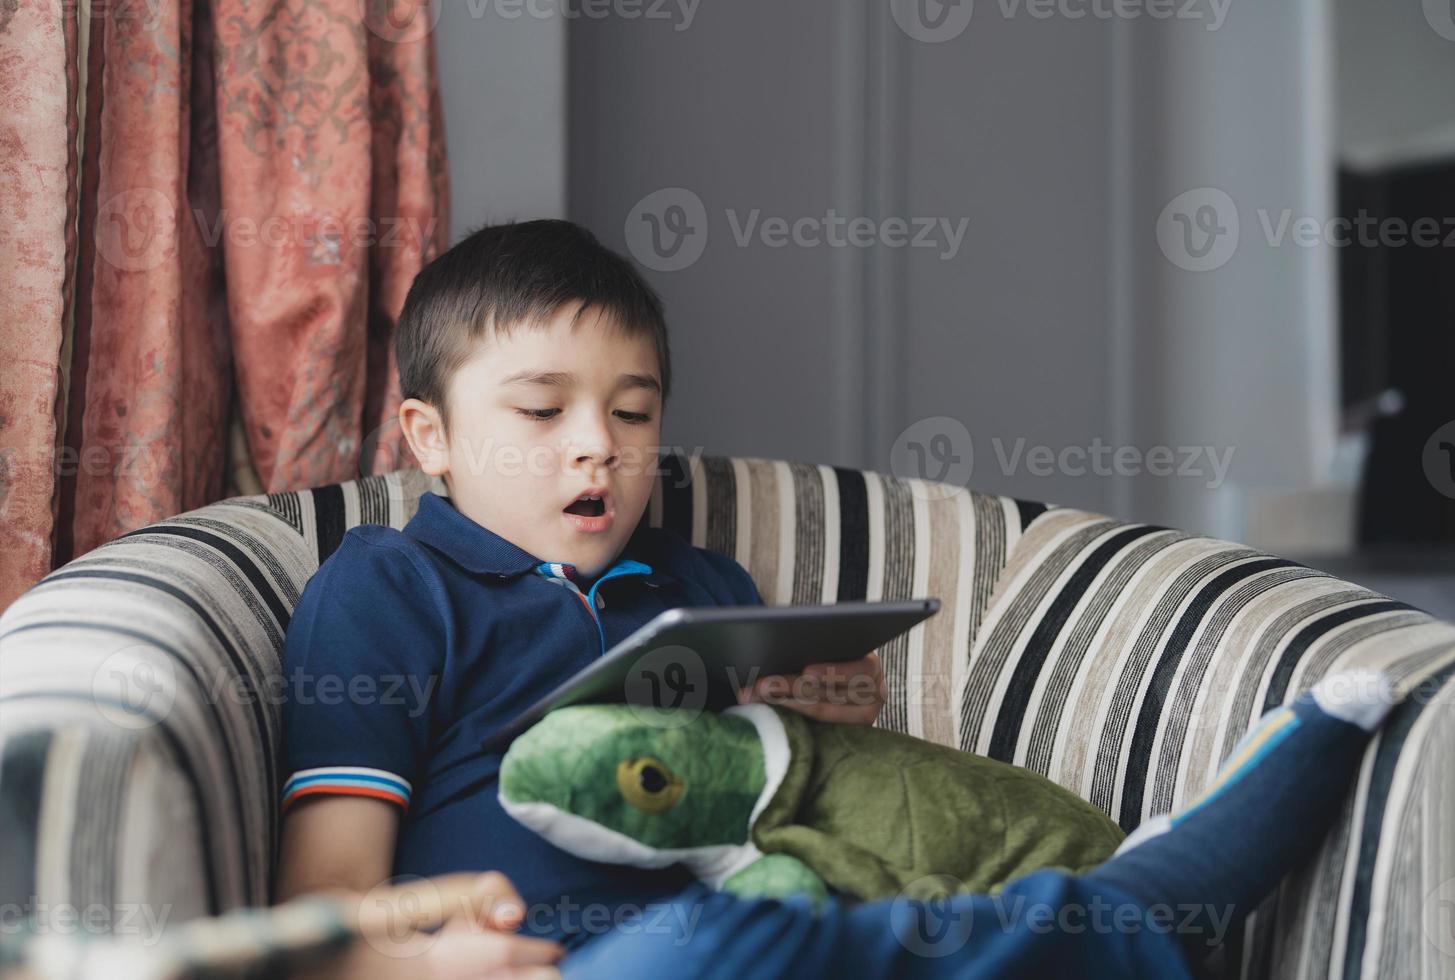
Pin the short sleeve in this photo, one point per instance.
(361, 664)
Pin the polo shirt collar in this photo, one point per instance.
(474, 547)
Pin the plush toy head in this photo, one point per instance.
(613, 783)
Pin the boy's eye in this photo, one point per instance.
(546, 414)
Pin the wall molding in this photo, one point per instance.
(870, 286)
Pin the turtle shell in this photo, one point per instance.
(879, 813)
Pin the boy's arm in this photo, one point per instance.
(361, 660)
(364, 654)
(336, 842)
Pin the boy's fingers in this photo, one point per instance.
(489, 954)
(777, 688)
(497, 903)
(390, 910)
(867, 665)
(851, 691)
(526, 973)
(519, 951)
(838, 713)
(393, 910)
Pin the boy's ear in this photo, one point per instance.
(425, 433)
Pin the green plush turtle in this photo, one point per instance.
(763, 802)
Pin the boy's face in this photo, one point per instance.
(540, 417)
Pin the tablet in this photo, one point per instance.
(696, 658)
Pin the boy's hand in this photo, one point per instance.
(849, 693)
(481, 914)
(480, 941)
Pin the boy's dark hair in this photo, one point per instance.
(502, 275)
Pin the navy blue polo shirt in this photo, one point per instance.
(409, 647)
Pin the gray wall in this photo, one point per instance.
(1243, 355)
(738, 109)
(503, 83)
(1396, 73)
(1010, 124)
(1059, 321)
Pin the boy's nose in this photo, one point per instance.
(597, 451)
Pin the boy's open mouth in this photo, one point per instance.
(587, 505)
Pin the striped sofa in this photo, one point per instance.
(139, 685)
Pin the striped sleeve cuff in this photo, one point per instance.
(346, 781)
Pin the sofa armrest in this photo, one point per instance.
(103, 833)
(1125, 661)
(139, 689)
(1379, 901)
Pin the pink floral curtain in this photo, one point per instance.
(212, 211)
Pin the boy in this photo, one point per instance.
(535, 368)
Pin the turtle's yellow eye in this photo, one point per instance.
(648, 785)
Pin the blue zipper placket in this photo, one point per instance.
(562, 573)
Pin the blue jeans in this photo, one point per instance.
(1045, 924)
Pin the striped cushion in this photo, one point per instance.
(1122, 660)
